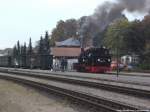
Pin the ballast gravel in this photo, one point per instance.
(18, 98)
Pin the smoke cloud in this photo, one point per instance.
(109, 12)
(135, 5)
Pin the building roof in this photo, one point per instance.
(69, 42)
(65, 52)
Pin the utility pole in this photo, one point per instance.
(117, 53)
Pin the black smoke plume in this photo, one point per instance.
(109, 12)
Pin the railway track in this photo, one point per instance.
(77, 76)
(101, 104)
(130, 74)
(128, 90)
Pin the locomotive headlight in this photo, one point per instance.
(98, 60)
(83, 60)
(109, 60)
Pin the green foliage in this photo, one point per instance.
(46, 43)
(144, 66)
(116, 34)
(15, 51)
(145, 61)
(134, 41)
(23, 55)
(64, 30)
(145, 26)
(127, 36)
(44, 51)
(30, 50)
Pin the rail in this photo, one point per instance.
(102, 104)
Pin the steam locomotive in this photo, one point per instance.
(94, 60)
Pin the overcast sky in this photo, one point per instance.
(21, 19)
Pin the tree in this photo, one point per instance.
(145, 25)
(15, 54)
(115, 36)
(135, 39)
(145, 55)
(58, 33)
(24, 55)
(30, 53)
(18, 53)
(41, 46)
(64, 30)
(47, 43)
(21, 55)
(41, 51)
(46, 52)
(70, 28)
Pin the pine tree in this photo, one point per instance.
(15, 51)
(46, 51)
(47, 43)
(15, 54)
(30, 50)
(21, 56)
(18, 53)
(41, 46)
(30, 53)
(25, 54)
(41, 52)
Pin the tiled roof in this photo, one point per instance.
(69, 42)
(65, 51)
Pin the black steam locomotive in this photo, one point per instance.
(95, 60)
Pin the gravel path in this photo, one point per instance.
(17, 98)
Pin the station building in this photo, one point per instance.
(68, 49)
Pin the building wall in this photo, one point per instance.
(129, 59)
(57, 64)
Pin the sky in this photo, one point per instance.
(22, 19)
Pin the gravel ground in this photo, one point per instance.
(139, 102)
(18, 98)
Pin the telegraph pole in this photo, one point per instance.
(117, 53)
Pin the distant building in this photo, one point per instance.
(130, 59)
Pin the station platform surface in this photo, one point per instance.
(132, 77)
(140, 78)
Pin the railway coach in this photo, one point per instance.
(5, 61)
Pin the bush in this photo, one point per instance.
(145, 66)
